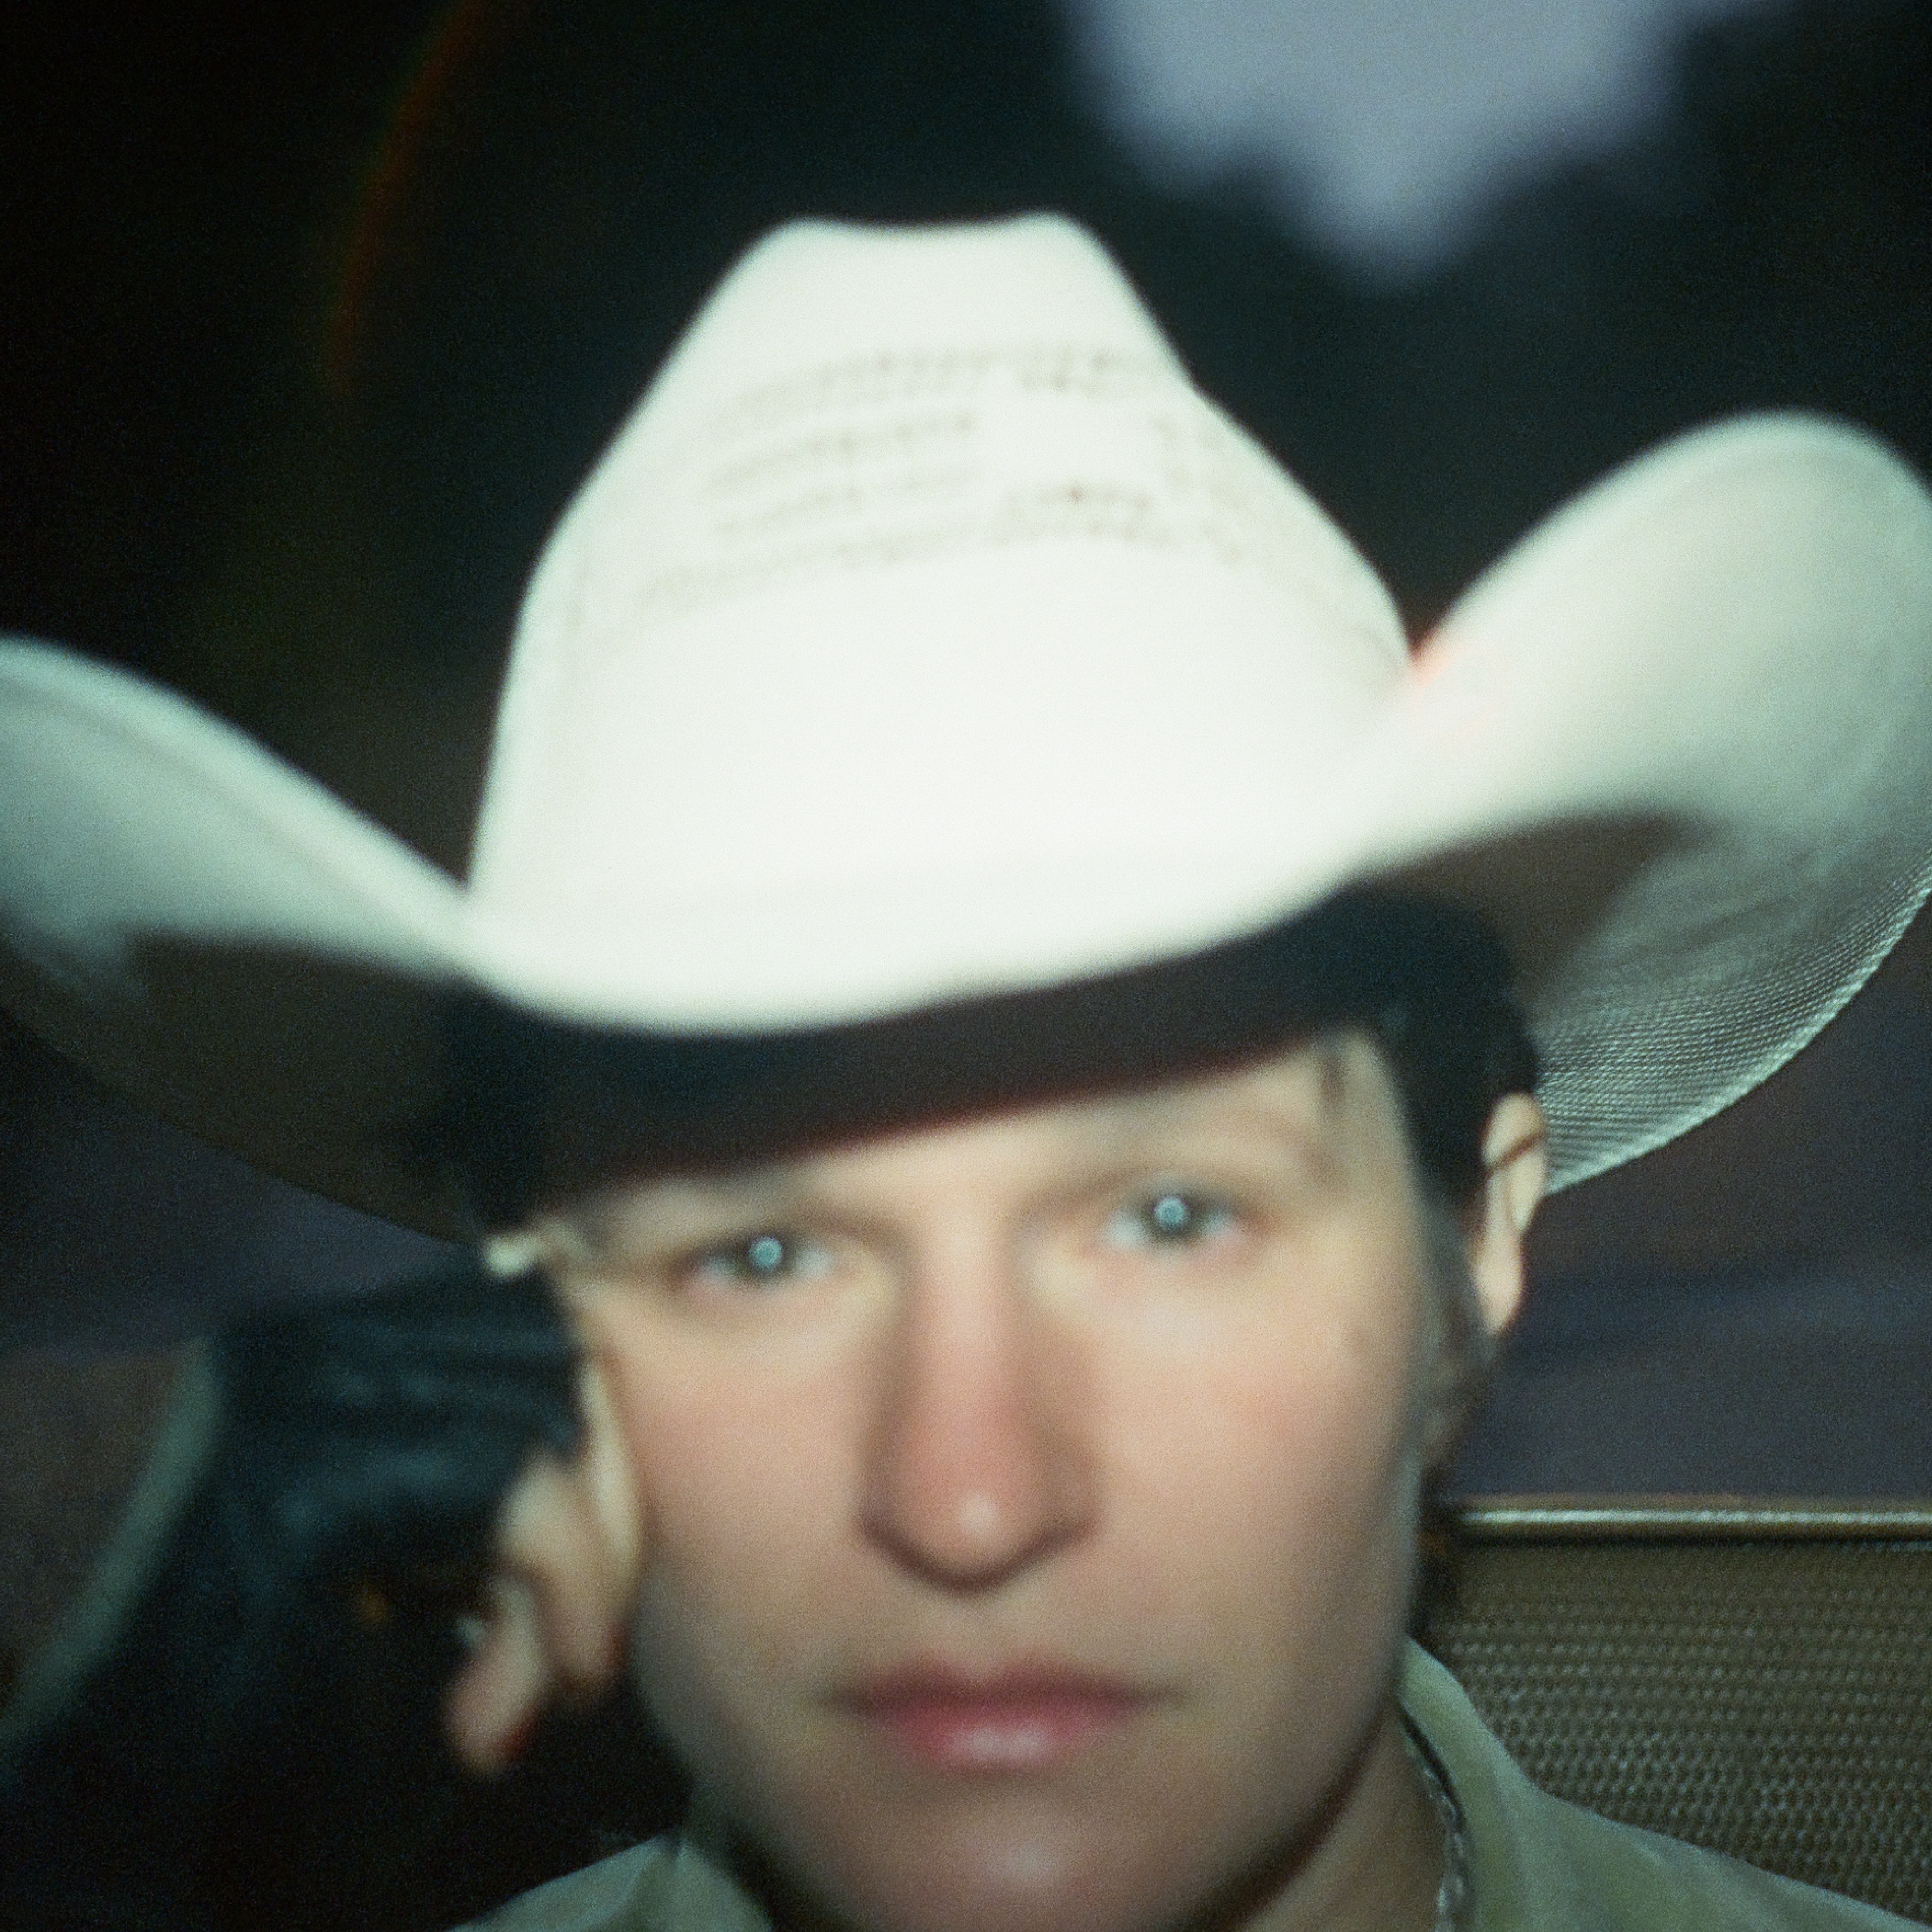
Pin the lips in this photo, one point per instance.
(1031, 1719)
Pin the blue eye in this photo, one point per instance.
(1171, 1218)
(765, 1259)
(1172, 1214)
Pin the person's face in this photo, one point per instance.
(1030, 1502)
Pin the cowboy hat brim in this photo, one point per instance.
(1678, 746)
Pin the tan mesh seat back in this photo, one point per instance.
(1756, 1678)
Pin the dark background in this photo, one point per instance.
(310, 319)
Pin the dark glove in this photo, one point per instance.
(255, 1740)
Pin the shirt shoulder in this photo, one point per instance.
(1535, 1862)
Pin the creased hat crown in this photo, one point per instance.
(922, 568)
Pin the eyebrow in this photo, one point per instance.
(774, 1189)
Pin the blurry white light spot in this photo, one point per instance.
(1384, 127)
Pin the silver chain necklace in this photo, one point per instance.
(1452, 1896)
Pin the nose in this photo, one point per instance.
(978, 1465)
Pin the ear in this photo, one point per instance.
(1516, 1162)
(569, 1550)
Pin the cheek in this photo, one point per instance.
(744, 1475)
(1270, 1465)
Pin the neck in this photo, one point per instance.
(1377, 1867)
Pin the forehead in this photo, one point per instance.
(1328, 1104)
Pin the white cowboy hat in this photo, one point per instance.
(924, 634)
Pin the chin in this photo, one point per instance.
(1024, 1858)
(1011, 1878)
